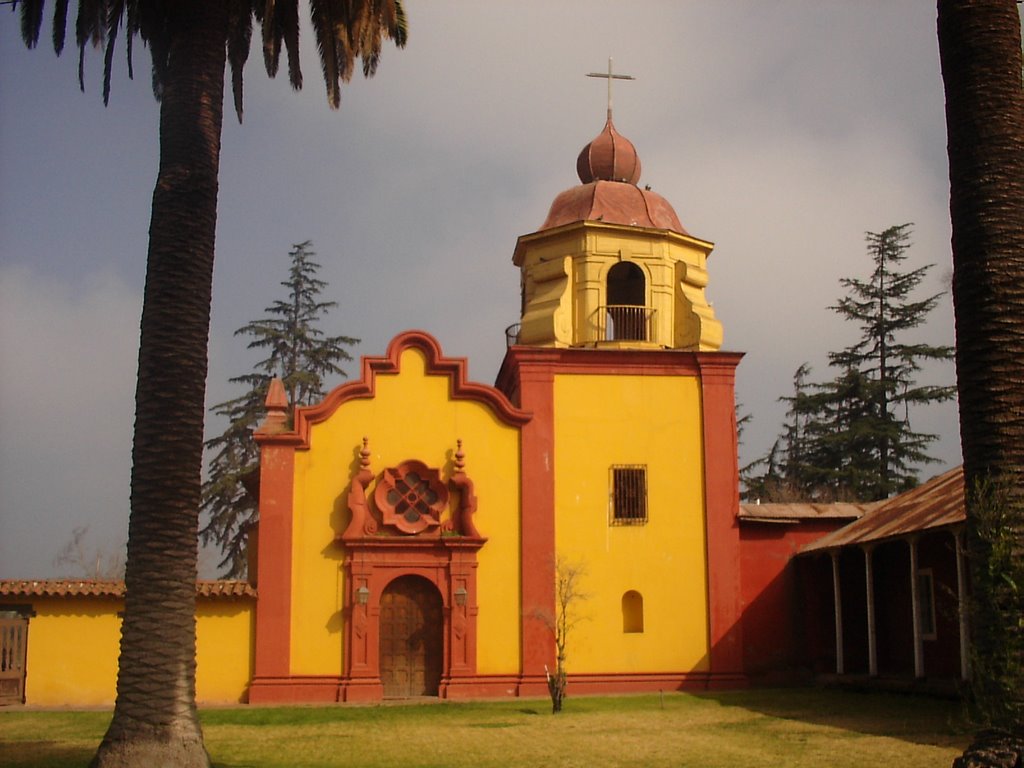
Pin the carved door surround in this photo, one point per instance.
(406, 533)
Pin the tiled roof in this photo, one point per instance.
(797, 512)
(936, 504)
(115, 589)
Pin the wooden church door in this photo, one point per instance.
(411, 638)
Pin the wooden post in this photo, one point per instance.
(915, 602)
(837, 596)
(869, 578)
(961, 607)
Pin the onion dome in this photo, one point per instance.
(609, 157)
(609, 169)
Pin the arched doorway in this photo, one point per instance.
(411, 638)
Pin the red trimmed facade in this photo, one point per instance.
(380, 545)
(388, 564)
(616, 295)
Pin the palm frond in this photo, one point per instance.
(400, 29)
(60, 25)
(31, 21)
(115, 12)
(89, 28)
(320, 12)
(131, 29)
(289, 15)
(271, 38)
(239, 43)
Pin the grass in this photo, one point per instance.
(791, 727)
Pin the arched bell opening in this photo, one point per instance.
(627, 318)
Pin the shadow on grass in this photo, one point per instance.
(915, 719)
(53, 754)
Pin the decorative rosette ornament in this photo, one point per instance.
(411, 497)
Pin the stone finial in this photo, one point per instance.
(460, 457)
(276, 404)
(364, 455)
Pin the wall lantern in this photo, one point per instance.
(363, 595)
(460, 595)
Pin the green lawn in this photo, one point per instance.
(785, 727)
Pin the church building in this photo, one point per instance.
(414, 525)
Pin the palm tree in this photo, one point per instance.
(980, 52)
(190, 42)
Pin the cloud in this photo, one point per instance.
(781, 131)
(67, 395)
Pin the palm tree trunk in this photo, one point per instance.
(980, 47)
(980, 51)
(155, 719)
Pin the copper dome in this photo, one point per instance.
(609, 157)
(609, 168)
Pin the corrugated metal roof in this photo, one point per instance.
(114, 589)
(935, 504)
(795, 512)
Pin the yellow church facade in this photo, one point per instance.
(412, 524)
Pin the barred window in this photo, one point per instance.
(629, 494)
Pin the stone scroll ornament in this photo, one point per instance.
(362, 522)
(462, 518)
(410, 498)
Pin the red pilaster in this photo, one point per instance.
(537, 554)
(274, 558)
(721, 488)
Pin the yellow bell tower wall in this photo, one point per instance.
(653, 421)
(412, 414)
(565, 274)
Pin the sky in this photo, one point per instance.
(781, 131)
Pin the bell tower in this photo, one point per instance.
(612, 267)
(629, 460)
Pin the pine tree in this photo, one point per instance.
(302, 357)
(879, 371)
(850, 439)
(786, 474)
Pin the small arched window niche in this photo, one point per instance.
(632, 612)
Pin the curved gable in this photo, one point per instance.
(437, 364)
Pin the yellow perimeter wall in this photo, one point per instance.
(73, 644)
(606, 420)
(412, 416)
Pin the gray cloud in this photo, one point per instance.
(781, 131)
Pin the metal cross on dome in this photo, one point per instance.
(610, 76)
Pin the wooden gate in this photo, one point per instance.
(411, 638)
(13, 645)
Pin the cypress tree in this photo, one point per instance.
(297, 352)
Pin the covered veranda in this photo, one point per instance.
(885, 596)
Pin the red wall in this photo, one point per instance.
(772, 603)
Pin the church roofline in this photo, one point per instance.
(459, 387)
(105, 588)
(564, 229)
